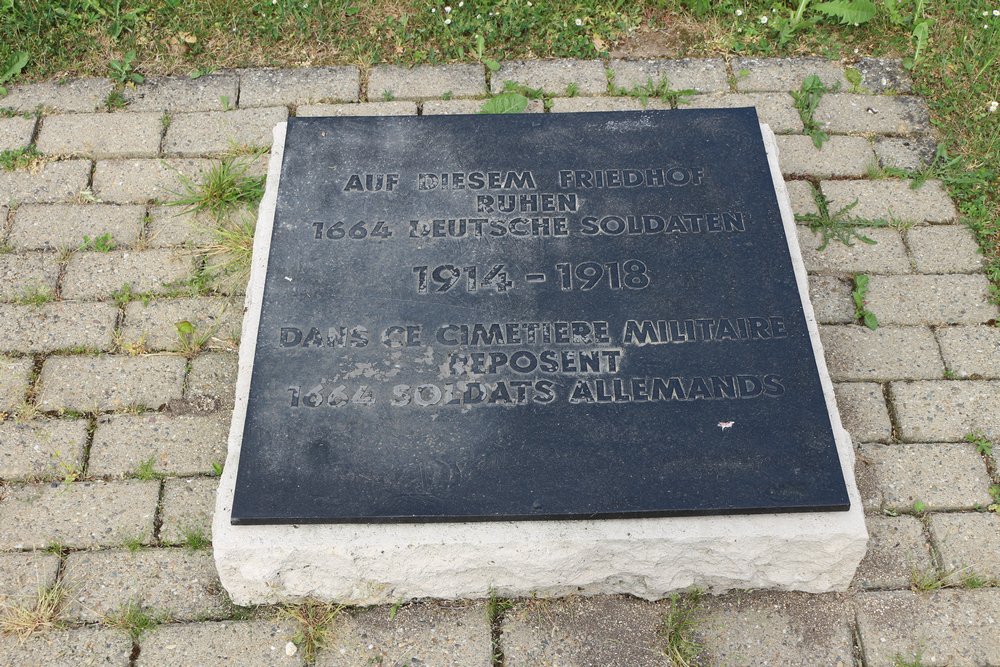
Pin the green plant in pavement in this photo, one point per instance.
(859, 294)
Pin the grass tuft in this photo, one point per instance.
(23, 621)
(678, 627)
(315, 621)
(224, 188)
(133, 619)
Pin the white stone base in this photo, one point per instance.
(649, 558)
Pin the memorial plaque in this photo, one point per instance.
(552, 316)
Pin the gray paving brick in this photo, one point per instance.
(110, 382)
(571, 104)
(264, 88)
(610, 631)
(174, 93)
(968, 543)
(42, 449)
(177, 445)
(54, 226)
(891, 200)
(971, 351)
(418, 634)
(177, 583)
(553, 76)
(101, 135)
(886, 255)
(948, 627)
(23, 575)
(775, 109)
(800, 194)
(216, 321)
(54, 181)
(872, 114)
(173, 226)
(764, 74)
(946, 410)
(67, 648)
(141, 181)
(424, 81)
(831, 300)
(213, 376)
(944, 476)
(220, 132)
(856, 353)
(27, 272)
(944, 249)
(244, 643)
(14, 375)
(81, 515)
(15, 132)
(840, 156)
(457, 107)
(188, 505)
(911, 153)
(863, 411)
(706, 75)
(396, 108)
(880, 75)
(96, 275)
(769, 628)
(921, 299)
(75, 95)
(63, 325)
(896, 549)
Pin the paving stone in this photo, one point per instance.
(573, 104)
(23, 575)
(110, 382)
(188, 505)
(971, 352)
(947, 627)
(418, 634)
(423, 81)
(946, 410)
(63, 325)
(397, 108)
(178, 583)
(968, 543)
(15, 132)
(944, 476)
(944, 249)
(800, 194)
(264, 87)
(75, 95)
(863, 411)
(220, 132)
(67, 648)
(14, 376)
(27, 272)
(95, 275)
(831, 300)
(896, 549)
(840, 156)
(611, 631)
(173, 226)
(919, 299)
(891, 200)
(141, 181)
(243, 643)
(886, 255)
(177, 445)
(213, 376)
(53, 181)
(458, 107)
(706, 75)
(872, 114)
(910, 153)
(855, 352)
(42, 449)
(216, 321)
(553, 76)
(770, 628)
(174, 93)
(753, 74)
(101, 135)
(81, 515)
(56, 226)
(775, 109)
(880, 75)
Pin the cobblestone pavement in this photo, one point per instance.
(115, 430)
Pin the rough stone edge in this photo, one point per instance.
(381, 563)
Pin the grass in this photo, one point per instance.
(224, 188)
(315, 620)
(195, 538)
(838, 225)
(133, 619)
(678, 626)
(659, 89)
(27, 157)
(22, 621)
(806, 100)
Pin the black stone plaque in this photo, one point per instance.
(551, 316)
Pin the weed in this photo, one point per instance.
(983, 445)
(969, 579)
(388, 96)
(131, 347)
(806, 100)
(25, 412)
(447, 95)
(919, 507)
(994, 492)
(315, 621)
(195, 538)
(505, 103)
(659, 89)
(496, 608)
(199, 72)
(950, 374)
(115, 100)
(23, 621)
(394, 609)
(223, 188)
(229, 254)
(124, 294)
(35, 295)
(67, 470)
(20, 158)
(915, 661)
(133, 619)
(103, 243)
(837, 226)
(530, 93)
(216, 468)
(859, 295)
(122, 71)
(165, 121)
(191, 341)
(133, 544)
(678, 626)
(224, 101)
(15, 63)
(55, 548)
(572, 89)
(927, 580)
(853, 77)
(146, 470)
